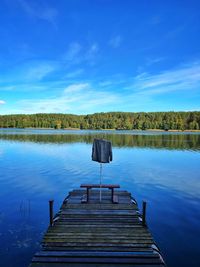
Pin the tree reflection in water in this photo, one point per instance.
(180, 141)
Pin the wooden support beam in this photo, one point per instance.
(51, 212)
(144, 204)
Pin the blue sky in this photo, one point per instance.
(86, 56)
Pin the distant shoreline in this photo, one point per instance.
(78, 129)
(151, 121)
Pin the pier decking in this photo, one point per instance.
(98, 234)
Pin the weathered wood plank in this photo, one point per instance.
(98, 240)
(97, 235)
(98, 230)
(106, 249)
(116, 260)
(94, 254)
(93, 265)
(102, 244)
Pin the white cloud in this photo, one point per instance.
(151, 61)
(112, 93)
(2, 102)
(76, 98)
(49, 14)
(73, 51)
(106, 83)
(39, 71)
(76, 88)
(91, 53)
(28, 71)
(116, 82)
(7, 88)
(39, 11)
(182, 78)
(29, 87)
(74, 73)
(115, 41)
(92, 50)
(77, 54)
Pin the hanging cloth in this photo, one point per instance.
(102, 151)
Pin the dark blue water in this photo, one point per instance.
(161, 168)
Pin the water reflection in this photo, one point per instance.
(38, 165)
(186, 141)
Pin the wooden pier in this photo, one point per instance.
(98, 234)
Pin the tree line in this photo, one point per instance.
(160, 141)
(110, 120)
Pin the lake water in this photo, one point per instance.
(158, 167)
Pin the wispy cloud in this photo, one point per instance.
(175, 32)
(183, 78)
(30, 71)
(77, 54)
(30, 87)
(2, 102)
(7, 88)
(91, 53)
(115, 41)
(106, 83)
(40, 11)
(112, 93)
(151, 61)
(93, 49)
(76, 88)
(39, 71)
(74, 73)
(76, 98)
(73, 51)
(115, 81)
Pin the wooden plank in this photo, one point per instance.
(116, 260)
(98, 216)
(102, 186)
(93, 254)
(98, 240)
(105, 248)
(98, 222)
(35, 264)
(60, 224)
(94, 235)
(96, 193)
(87, 207)
(97, 244)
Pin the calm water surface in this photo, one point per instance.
(161, 168)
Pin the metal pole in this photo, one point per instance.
(144, 204)
(100, 181)
(51, 212)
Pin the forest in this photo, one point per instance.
(109, 120)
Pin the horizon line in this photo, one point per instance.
(51, 113)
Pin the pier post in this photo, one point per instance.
(144, 204)
(51, 212)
